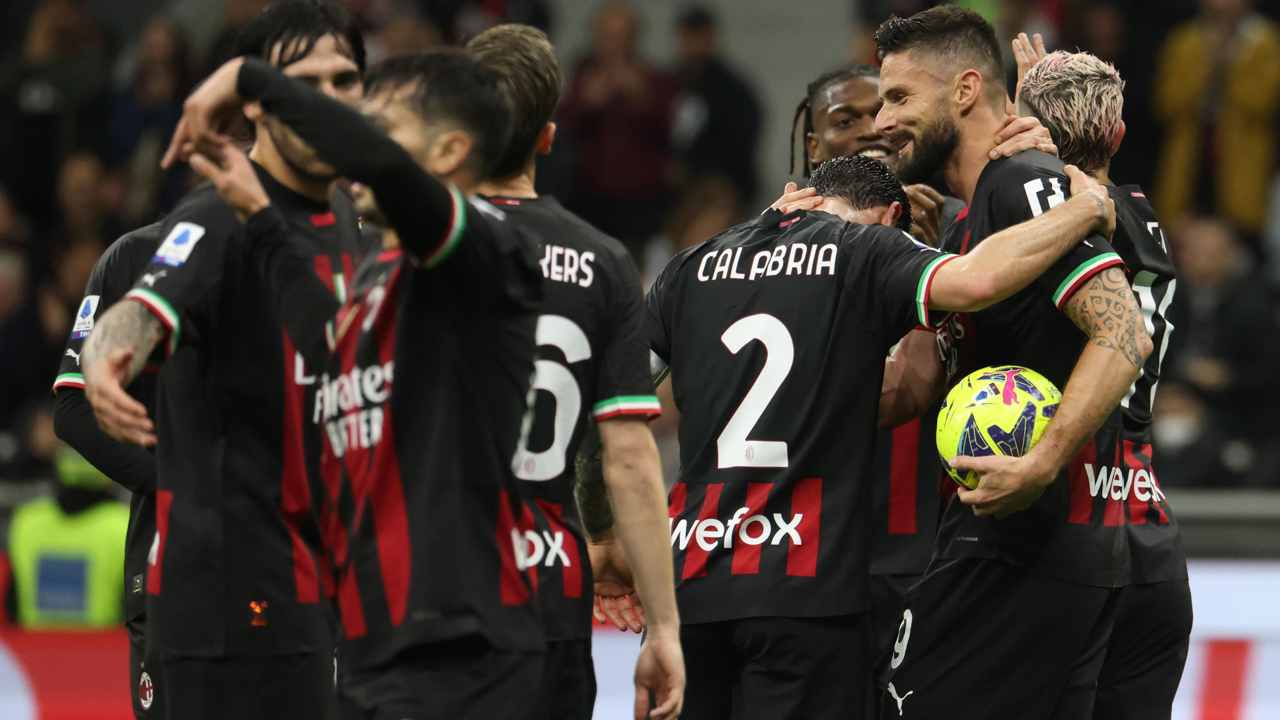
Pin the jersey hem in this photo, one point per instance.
(163, 311)
(1081, 275)
(452, 236)
(68, 380)
(924, 289)
(632, 405)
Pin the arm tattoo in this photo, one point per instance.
(590, 490)
(125, 326)
(1104, 309)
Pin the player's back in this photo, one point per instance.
(1155, 543)
(775, 332)
(592, 365)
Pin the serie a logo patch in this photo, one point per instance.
(177, 246)
(84, 317)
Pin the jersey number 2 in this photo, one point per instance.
(733, 449)
(549, 375)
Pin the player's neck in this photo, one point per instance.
(970, 157)
(266, 155)
(517, 186)
(1103, 175)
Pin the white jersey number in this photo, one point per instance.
(551, 376)
(733, 449)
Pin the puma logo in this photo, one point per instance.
(74, 356)
(893, 693)
(149, 279)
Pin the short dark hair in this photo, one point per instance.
(946, 30)
(451, 86)
(296, 26)
(804, 110)
(865, 182)
(525, 62)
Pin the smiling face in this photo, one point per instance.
(844, 123)
(916, 118)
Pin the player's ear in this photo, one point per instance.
(889, 218)
(967, 90)
(1119, 138)
(546, 139)
(448, 152)
(811, 149)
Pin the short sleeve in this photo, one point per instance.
(69, 375)
(623, 385)
(1025, 192)
(901, 271)
(186, 267)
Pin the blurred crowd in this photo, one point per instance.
(661, 152)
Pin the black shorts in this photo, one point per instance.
(246, 688)
(982, 639)
(568, 688)
(888, 599)
(457, 679)
(779, 668)
(142, 691)
(1148, 651)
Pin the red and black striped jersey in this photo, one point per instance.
(776, 332)
(592, 366)
(1075, 531)
(905, 497)
(422, 407)
(113, 275)
(234, 568)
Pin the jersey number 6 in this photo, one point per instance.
(553, 377)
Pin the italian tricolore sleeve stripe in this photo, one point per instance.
(1081, 275)
(68, 380)
(632, 405)
(163, 311)
(452, 236)
(925, 287)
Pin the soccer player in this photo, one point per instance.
(131, 466)
(237, 617)
(1080, 99)
(1014, 613)
(437, 614)
(775, 333)
(837, 115)
(592, 366)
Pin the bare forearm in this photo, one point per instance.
(1104, 309)
(634, 478)
(912, 379)
(125, 326)
(1013, 258)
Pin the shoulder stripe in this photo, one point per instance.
(1081, 274)
(452, 236)
(163, 311)
(925, 286)
(645, 405)
(68, 380)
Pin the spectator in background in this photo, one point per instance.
(67, 551)
(717, 122)
(143, 118)
(1226, 329)
(1192, 447)
(32, 338)
(617, 115)
(236, 14)
(53, 99)
(1218, 96)
(85, 204)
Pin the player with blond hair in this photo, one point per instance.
(1080, 99)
